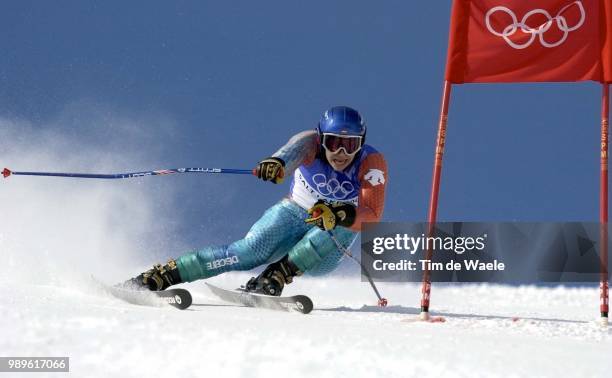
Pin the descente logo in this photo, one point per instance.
(222, 262)
(174, 300)
(375, 177)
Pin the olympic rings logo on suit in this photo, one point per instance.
(332, 187)
(539, 31)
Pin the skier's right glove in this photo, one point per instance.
(328, 215)
(271, 169)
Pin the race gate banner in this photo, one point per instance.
(530, 41)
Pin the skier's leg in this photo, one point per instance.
(269, 238)
(272, 235)
(317, 254)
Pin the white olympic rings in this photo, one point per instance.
(332, 187)
(538, 31)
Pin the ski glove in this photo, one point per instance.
(271, 169)
(328, 215)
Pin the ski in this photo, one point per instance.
(299, 303)
(177, 298)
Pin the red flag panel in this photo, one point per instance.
(530, 41)
(606, 10)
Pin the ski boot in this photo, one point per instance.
(160, 277)
(273, 279)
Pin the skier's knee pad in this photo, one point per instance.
(316, 253)
(327, 264)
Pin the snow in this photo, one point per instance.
(55, 234)
(556, 333)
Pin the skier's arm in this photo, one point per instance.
(301, 149)
(373, 175)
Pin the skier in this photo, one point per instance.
(338, 183)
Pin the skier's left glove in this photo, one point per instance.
(328, 215)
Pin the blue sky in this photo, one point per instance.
(238, 78)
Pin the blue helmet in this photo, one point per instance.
(342, 120)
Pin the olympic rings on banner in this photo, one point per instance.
(539, 31)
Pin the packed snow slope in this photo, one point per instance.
(56, 234)
(345, 336)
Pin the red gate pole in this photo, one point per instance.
(603, 203)
(433, 200)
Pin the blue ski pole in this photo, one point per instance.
(7, 172)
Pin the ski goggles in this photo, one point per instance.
(351, 144)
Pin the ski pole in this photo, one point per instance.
(382, 302)
(7, 172)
